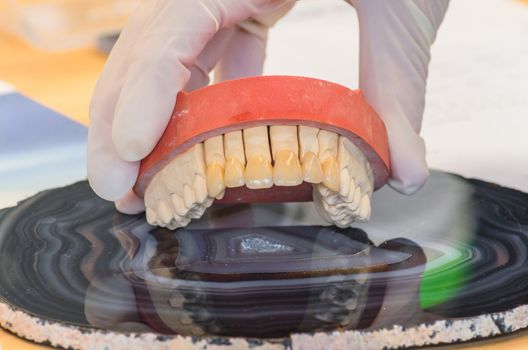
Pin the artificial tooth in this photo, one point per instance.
(328, 144)
(284, 137)
(357, 198)
(196, 212)
(352, 159)
(347, 199)
(331, 174)
(351, 192)
(189, 197)
(344, 183)
(221, 195)
(308, 151)
(234, 173)
(178, 189)
(215, 180)
(215, 161)
(200, 188)
(311, 168)
(258, 172)
(235, 159)
(287, 169)
(214, 150)
(178, 204)
(208, 202)
(184, 221)
(164, 212)
(234, 146)
(152, 218)
(308, 141)
(365, 208)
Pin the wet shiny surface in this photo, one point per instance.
(456, 249)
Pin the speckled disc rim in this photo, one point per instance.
(70, 336)
(270, 100)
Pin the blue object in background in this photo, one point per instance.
(39, 149)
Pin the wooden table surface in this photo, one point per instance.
(64, 82)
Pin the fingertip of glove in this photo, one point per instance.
(106, 191)
(134, 138)
(130, 204)
(410, 183)
(131, 149)
(112, 181)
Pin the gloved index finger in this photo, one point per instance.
(109, 175)
(170, 42)
(172, 39)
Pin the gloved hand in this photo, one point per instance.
(165, 47)
(168, 46)
(395, 41)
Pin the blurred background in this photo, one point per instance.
(477, 102)
(63, 24)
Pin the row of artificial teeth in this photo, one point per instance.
(261, 157)
(353, 200)
(257, 157)
(343, 210)
(178, 192)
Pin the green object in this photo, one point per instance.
(443, 278)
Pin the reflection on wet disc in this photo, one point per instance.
(114, 271)
(69, 257)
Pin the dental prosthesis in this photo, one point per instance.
(266, 139)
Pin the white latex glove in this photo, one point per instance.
(168, 42)
(395, 41)
(167, 46)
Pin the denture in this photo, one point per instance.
(266, 139)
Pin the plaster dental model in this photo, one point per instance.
(306, 135)
(179, 192)
(185, 187)
(350, 199)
